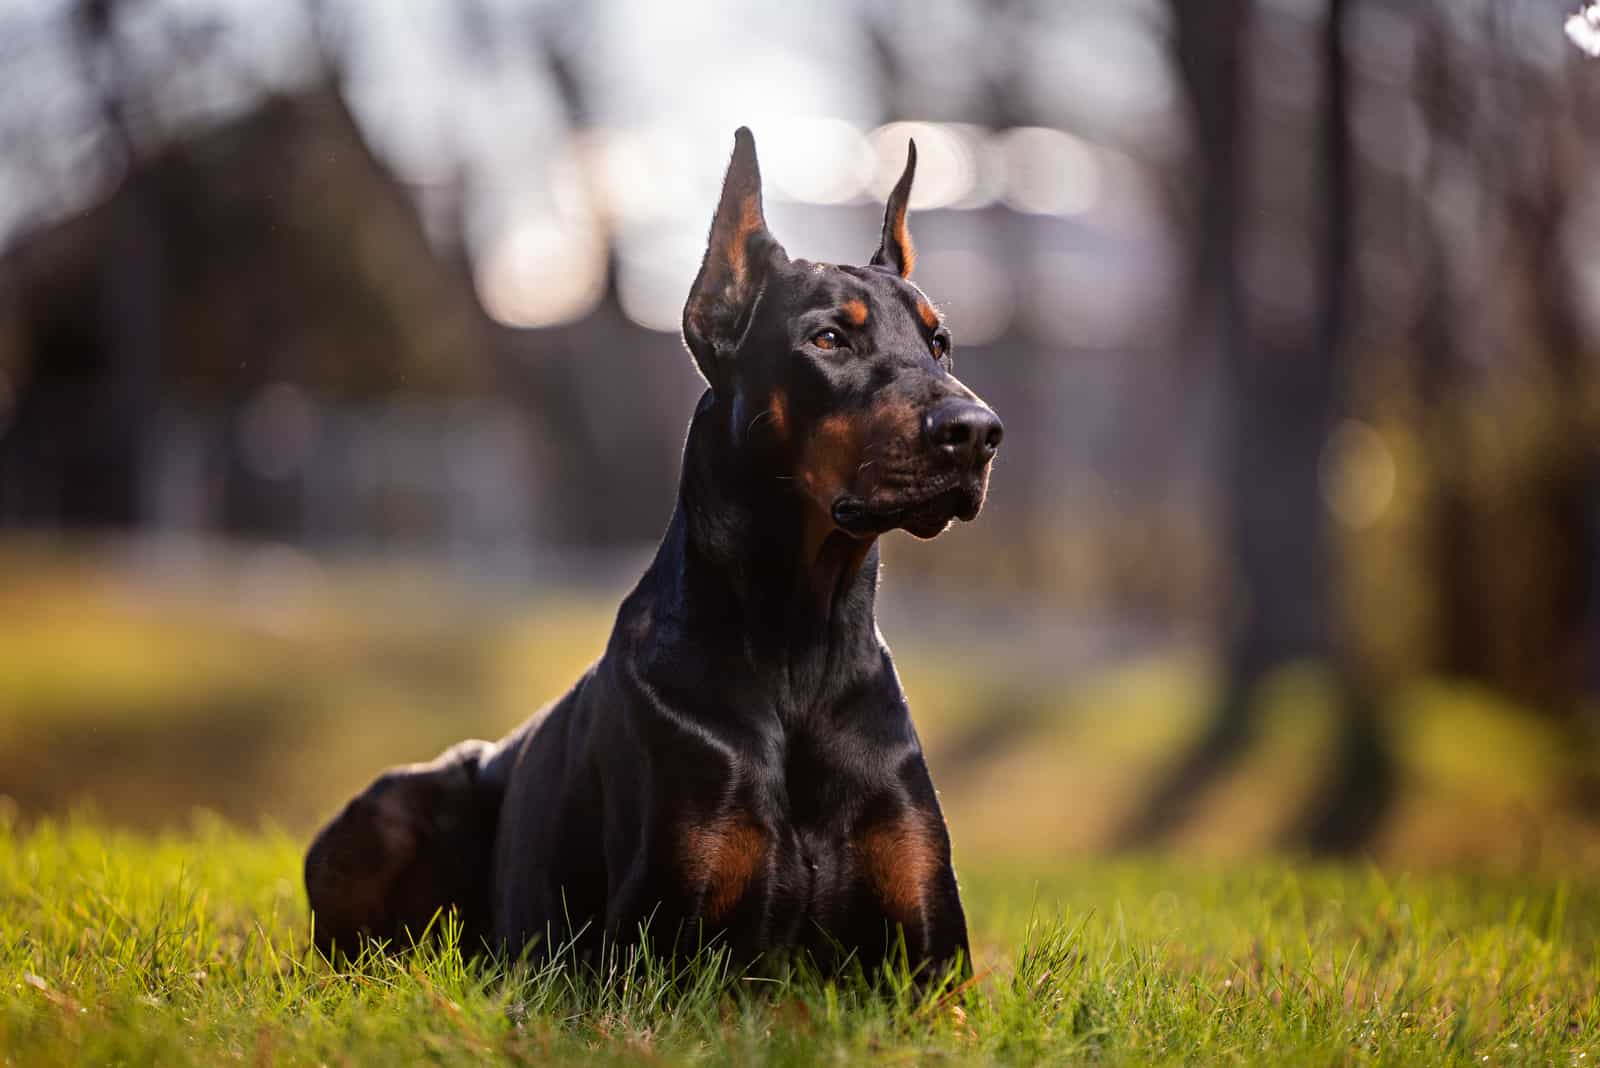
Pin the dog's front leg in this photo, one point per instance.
(945, 923)
(905, 860)
(700, 892)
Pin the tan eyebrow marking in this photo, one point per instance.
(930, 318)
(855, 311)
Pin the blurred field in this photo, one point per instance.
(269, 687)
(189, 948)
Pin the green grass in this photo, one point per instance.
(190, 948)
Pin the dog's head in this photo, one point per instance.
(838, 378)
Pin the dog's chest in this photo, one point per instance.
(809, 828)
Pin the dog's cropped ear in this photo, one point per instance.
(895, 250)
(738, 256)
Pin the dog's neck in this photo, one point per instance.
(754, 552)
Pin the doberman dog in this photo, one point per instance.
(740, 764)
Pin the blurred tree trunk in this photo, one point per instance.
(1522, 630)
(1282, 375)
(1458, 641)
(1545, 657)
(130, 298)
(1355, 795)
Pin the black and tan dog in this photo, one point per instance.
(741, 763)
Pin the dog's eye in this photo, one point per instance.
(828, 340)
(941, 346)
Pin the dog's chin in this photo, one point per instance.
(933, 517)
(926, 527)
(924, 518)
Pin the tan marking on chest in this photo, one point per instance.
(720, 858)
(901, 859)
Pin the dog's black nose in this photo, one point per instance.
(966, 431)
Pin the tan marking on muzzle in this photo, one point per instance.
(845, 453)
(778, 415)
(897, 420)
(831, 456)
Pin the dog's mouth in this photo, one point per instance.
(924, 513)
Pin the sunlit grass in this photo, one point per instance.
(190, 948)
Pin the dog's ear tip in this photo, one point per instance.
(743, 168)
(895, 249)
(902, 188)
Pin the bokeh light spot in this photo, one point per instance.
(947, 162)
(1357, 474)
(818, 160)
(543, 272)
(1049, 172)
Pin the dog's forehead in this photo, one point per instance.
(821, 283)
